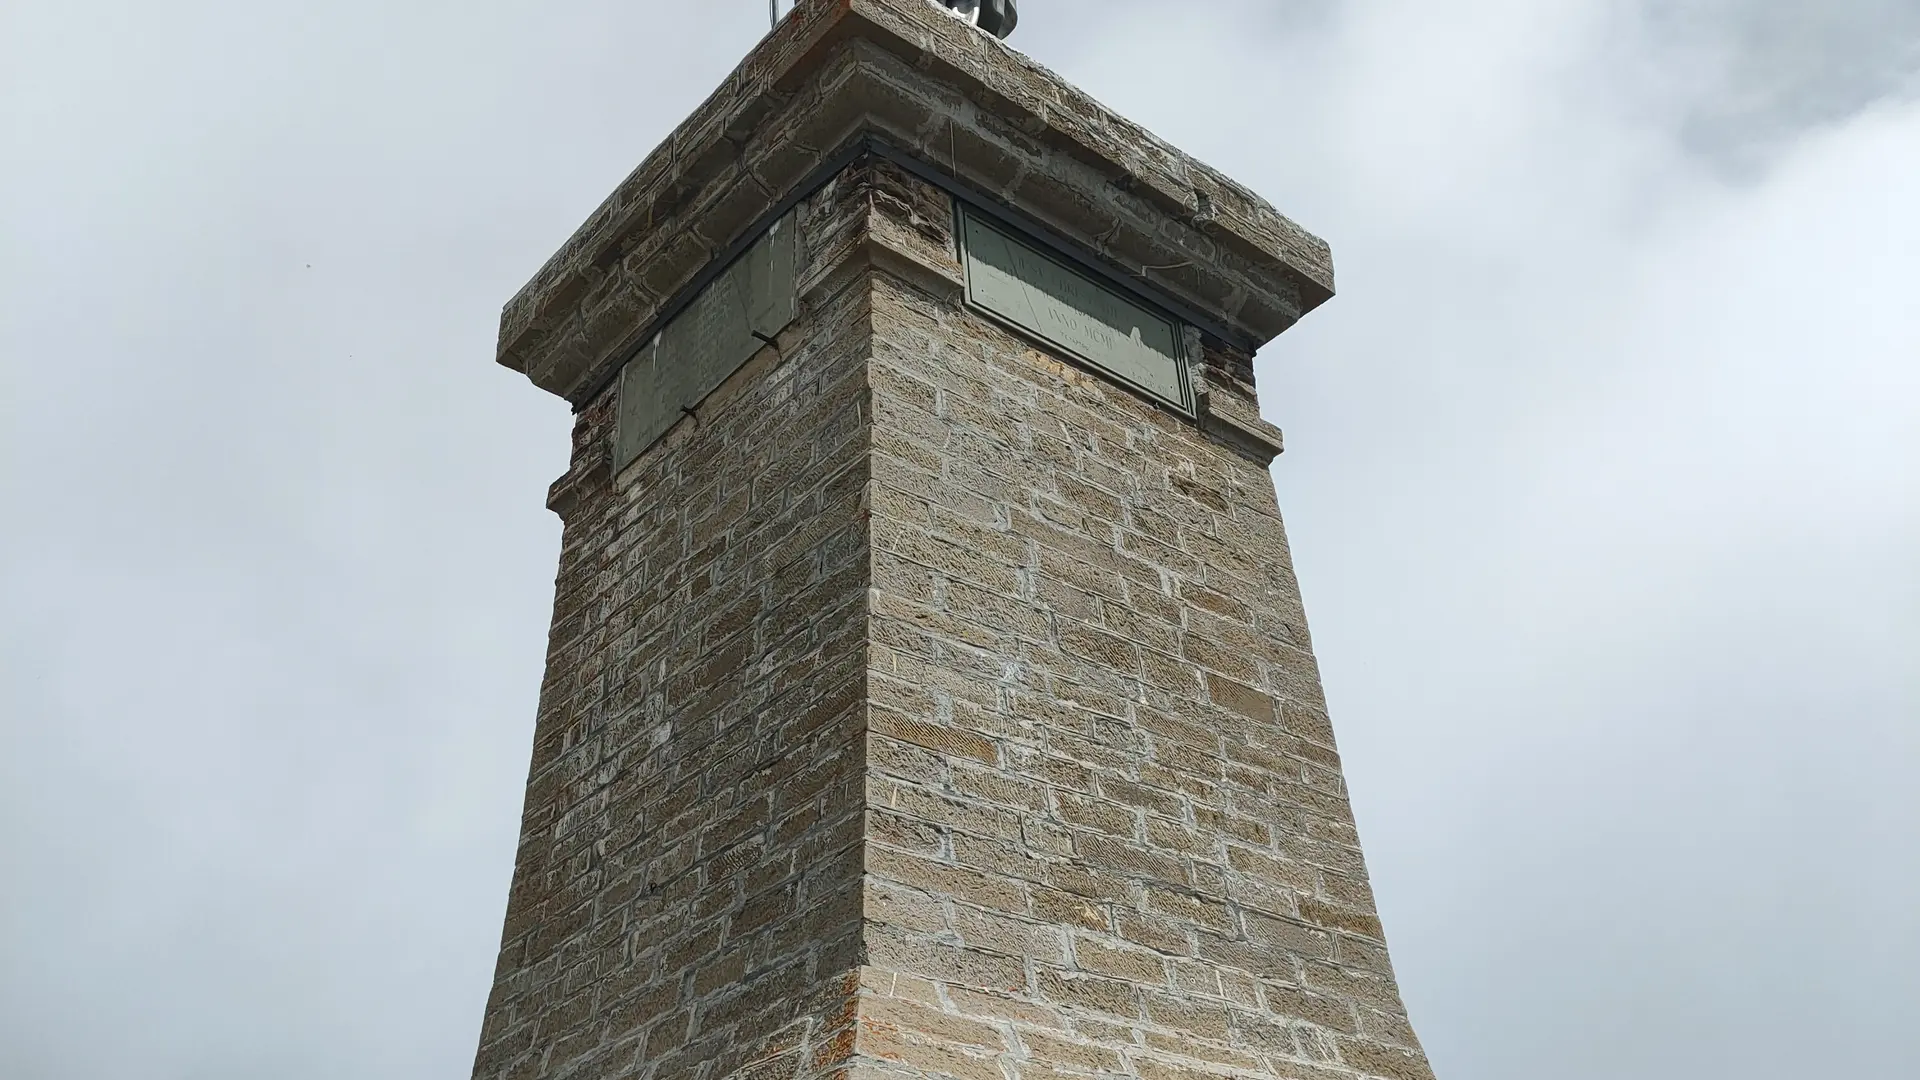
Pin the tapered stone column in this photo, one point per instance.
(929, 692)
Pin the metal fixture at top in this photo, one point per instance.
(996, 17)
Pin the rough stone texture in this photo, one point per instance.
(1107, 830)
(686, 900)
(922, 705)
(836, 70)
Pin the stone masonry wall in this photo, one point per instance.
(1107, 832)
(686, 901)
(923, 706)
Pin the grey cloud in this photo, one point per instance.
(1778, 67)
(1600, 483)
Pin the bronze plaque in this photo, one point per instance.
(707, 342)
(1037, 292)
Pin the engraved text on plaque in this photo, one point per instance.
(1090, 321)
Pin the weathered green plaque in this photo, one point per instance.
(701, 347)
(1012, 279)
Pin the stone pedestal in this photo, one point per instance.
(929, 692)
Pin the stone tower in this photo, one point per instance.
(929, 693)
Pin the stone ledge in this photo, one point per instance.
(836, 70)
(582, 480)
(1241, 428)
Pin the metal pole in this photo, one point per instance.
(773, 13)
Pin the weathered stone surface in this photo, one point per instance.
(923, 705)
(839, 69)
(920, 703)
(687, 894)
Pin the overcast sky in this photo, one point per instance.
(1603, 476)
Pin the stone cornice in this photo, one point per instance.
(837, 71)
